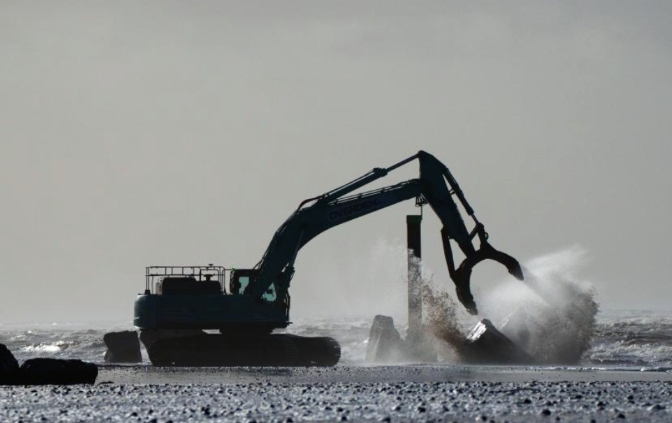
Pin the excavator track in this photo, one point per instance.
(215, 350)
(317, 352)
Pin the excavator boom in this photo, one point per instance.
(436, 185)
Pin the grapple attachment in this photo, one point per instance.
(462, 274)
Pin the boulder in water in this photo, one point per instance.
(487, 345)
(9, 367)
(122, 347)
(52, 371)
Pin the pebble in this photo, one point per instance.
(316, 400)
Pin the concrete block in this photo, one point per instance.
(385, 344)
(122, 347)
(487, 345)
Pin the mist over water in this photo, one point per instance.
(361, 287)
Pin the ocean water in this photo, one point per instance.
(554, 315)
(622, 339)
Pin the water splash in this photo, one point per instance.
(552, 313)
(440, 318)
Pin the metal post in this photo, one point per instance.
(414, 274)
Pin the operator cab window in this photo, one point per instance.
(244, 281)
(270, 294)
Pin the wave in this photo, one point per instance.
(644, 341)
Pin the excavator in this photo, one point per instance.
(181, 302)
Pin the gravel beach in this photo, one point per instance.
(349, 393)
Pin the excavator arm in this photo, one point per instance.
(435, 185)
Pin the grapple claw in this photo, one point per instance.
(463, 273)
(465, 297)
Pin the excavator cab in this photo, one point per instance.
(241, 279)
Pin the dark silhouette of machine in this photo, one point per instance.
(180, 302)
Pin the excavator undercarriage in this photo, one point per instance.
(185, 300)
(276, 350)
(181, 302)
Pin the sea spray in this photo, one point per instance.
(441, 320)
(552, 313)
(441, 317)
(366, 284)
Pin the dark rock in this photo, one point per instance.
(52, 371)
(385, 343)
(485, 344)
(9, 367)
(122, 347)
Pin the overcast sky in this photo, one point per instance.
(138, 133)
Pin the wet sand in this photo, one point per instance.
(345, 393)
